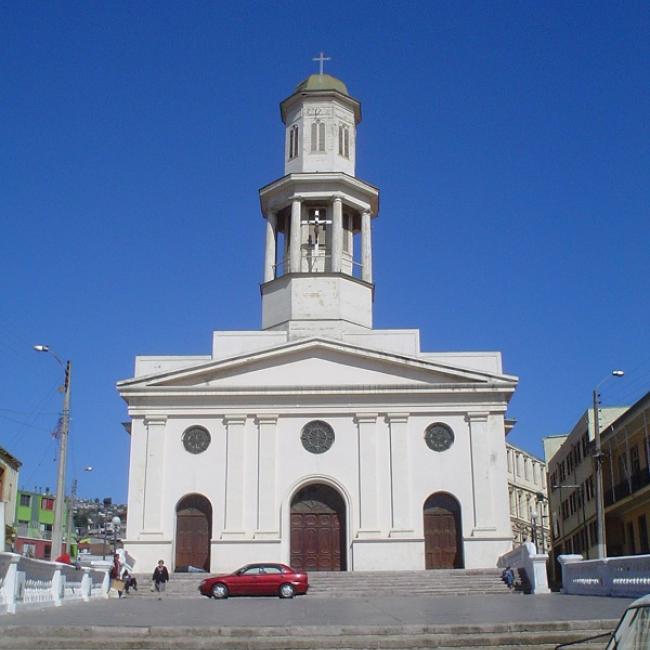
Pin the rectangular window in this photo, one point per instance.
(314, 136)
(622, 468)
(629, 534)
(25, 499)
(47, 503)
(635, 461)
(644, 547)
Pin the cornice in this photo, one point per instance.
(479, 378)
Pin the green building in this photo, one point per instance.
(34, 522)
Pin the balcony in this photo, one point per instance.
(639, 479)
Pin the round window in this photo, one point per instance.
(317, 436)
(196, 440)
(439, 436)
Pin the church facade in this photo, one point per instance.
(318, 441)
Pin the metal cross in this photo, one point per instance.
(317, 222)
(321, 59)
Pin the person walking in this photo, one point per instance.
(116, 576)
(160, 578)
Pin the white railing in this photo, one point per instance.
(25, 582)
(526, 560)
(627, 576)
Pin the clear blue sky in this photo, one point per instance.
(509, 141)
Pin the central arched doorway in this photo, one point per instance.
(318, 529)
(443, 539)
(193, 530)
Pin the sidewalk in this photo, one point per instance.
(306, 611)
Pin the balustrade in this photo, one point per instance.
(627, 576)
(28, 582)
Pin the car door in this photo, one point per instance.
(246, 582)
(270, 579)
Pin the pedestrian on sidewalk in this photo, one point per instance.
(160, 578)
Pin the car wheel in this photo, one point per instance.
(287, 591)
(220, 591)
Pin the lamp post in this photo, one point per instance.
(116, 521)
(540, 497)
(533, 527)
(72, 504)
(57, 527)
(601, 548)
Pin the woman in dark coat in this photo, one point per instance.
(160, 577)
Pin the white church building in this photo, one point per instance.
(318, 441)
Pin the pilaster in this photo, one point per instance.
(480, 470)
(267, 515)
(154, 474)
(401, 520)
(234, 477)
(368, 478)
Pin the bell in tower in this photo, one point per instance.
(318, 258)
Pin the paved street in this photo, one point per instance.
(306, 611)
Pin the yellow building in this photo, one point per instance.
(626, 480)
(9, 467)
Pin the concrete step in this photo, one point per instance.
(364, 584)
(494, 636)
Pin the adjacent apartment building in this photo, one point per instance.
(529, 512)
(571, 484)
(626, 480)
(9, 470)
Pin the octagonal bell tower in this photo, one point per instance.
(318, 258)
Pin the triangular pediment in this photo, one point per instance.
(316, 363)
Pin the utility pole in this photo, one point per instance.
(57, 529)
(62, 434)
(601, 547)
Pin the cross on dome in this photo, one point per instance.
(321, 59)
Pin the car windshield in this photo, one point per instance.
(633, 631)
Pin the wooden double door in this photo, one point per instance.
(193, 530)
(318, 530)
(442, 533)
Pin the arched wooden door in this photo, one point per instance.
(318, 529)
(193, 529)
(443, 540)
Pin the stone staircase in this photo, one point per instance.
(508, 636)
(458, 582)
(359, 584)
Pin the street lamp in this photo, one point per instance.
(601, 548)
(62, 434)
(533, 527)
(116, 521)
(72, 506)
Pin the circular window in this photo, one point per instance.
(317, 436)
(196, 440)
(439, 436)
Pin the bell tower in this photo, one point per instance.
(318, 257)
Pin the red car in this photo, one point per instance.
(265, 579)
